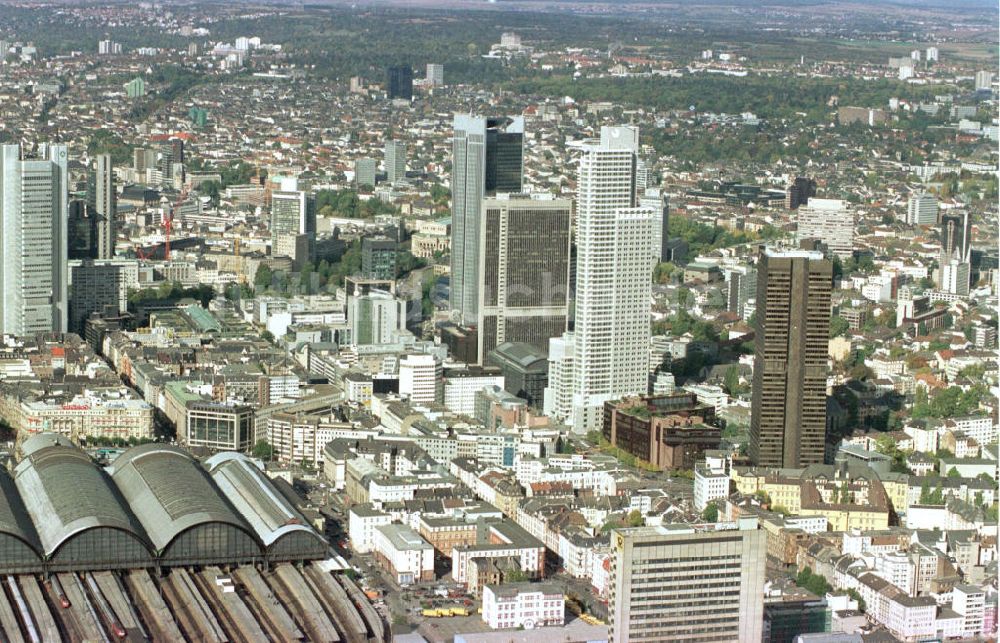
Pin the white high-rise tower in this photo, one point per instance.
(33, 241)
(613, 280)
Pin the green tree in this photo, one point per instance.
(515, 576)
(263, 278)
(731, 381)
(853, 593)
(440, 194)
(407, 263)
(886, 445)
(212, 190)
(710, 513)
(426, 288)
(663, 272)
(921, 405)
(838, 326)
(953, 473)
(635, 518)
(263, 450)
(815, 583)
(925, 492)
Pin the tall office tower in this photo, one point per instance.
(799, 192)
(955, 276)
(34, 204)
(654, 198)
(984, 81)
(399, 82)
(643, 176)
(741, 287)
(171, 153)
(376, 317)
(378, 258)
(922, 209)
(788, 408)
(613, 279)
(557, 398)
(955, 271)
(830, 221)
(135, 88)
(143, 158)
(524, 270)
(395, 161)
(421, 378)
(293, 225)
(487, 159)
(82, 231)
(103, 201)
(662, 231)
(687, 583)
(435, 74)
(100, 287)
(956, 235)
(364, 172)
(932, 54)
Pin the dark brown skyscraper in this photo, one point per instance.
(788, 419)
(524, 267)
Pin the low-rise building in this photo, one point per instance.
(462, 384)
(403, 553)
(302, 438)
(496, 540)
(668, 431)
(109, 413)
(711, 481)
(361, 523)
(219, 426)
(523, 605)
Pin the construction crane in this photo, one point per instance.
(168, 222)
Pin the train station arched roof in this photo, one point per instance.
(284, 531)
(76, 510)
(175, 499)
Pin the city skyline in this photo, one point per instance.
(483, 322)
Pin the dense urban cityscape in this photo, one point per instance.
(502, 321)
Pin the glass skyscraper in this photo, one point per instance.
(33, 240)
(487, 159)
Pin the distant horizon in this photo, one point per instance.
(499, 4)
